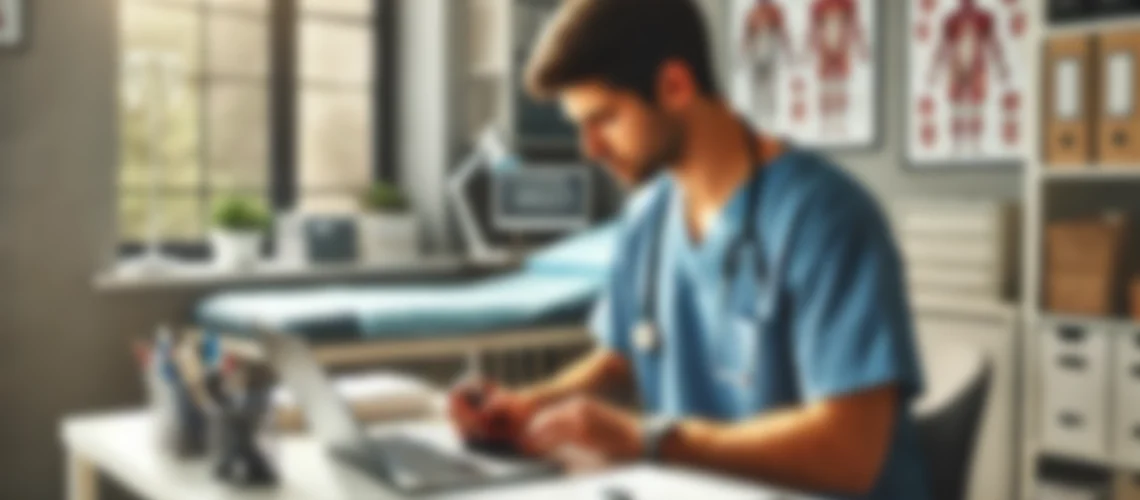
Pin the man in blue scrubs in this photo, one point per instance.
(757, 302)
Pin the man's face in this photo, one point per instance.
(631, 137)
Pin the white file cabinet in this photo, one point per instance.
(1126, 400)
(1076, 364)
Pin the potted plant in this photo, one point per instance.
(388, 228)
(239, 226)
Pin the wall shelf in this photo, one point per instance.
(1113, 322)
(1041, 203)
(1093, 26)
(1091, 173)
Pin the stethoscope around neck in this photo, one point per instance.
(647, 336)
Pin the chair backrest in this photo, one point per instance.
(949, 416)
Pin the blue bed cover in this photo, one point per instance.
(556, 286)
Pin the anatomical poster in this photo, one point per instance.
(807, 69)
(967, 64)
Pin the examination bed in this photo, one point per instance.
(544, 304)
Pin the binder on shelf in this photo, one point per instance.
(1069, 10)
(1105, 7)
(1119, 114)
(1069, 101)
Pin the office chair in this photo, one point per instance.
(949, 416)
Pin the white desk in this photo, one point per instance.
(120, 446)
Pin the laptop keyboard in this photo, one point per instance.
(399, 459)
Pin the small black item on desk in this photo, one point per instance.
(497, 448)
(242, 395)
(617, 493)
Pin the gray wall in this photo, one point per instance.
(63, 346)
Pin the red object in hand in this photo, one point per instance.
(929, 5)
(488, 417)
(465, 405)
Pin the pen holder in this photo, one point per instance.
(179, 424)
(246, 446)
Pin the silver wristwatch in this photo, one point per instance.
(654, 432)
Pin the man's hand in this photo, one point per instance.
(585, 434)
(484, 412)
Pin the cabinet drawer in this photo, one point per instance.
(1126, 397)
(1076, 369)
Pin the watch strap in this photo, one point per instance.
(655, 431)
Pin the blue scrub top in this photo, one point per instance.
(816, 309)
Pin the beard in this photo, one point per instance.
(667, 147)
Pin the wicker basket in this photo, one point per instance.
(1083, 265)
(1083, 294)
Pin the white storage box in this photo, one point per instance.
(1076, 364)
(1126, 397)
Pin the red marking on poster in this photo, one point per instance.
(926, 106)
(929, 135)
(1012, 133)
(928, 6)
(1011, 101)
(1018, 24)
(922, 32)
(799, 85)
(799, 111)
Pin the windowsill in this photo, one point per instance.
(122, 278)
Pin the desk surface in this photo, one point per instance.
(120, 446)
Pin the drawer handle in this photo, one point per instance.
(1136, 371)
(1136, 433)
(1071, 420)
(1072, 362)
(1072, 334)
(1136, 340)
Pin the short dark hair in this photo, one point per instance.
(623, 43)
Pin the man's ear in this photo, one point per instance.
(676, 87)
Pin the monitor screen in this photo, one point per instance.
(542, 199)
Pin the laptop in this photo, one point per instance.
(406, 463)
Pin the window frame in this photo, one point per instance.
(282, 17)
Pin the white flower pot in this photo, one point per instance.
(236, 249)
(387, 238)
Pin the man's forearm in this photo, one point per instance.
(596, 373)
(834, 448)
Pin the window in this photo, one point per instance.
(277, 99)
(334, 102)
